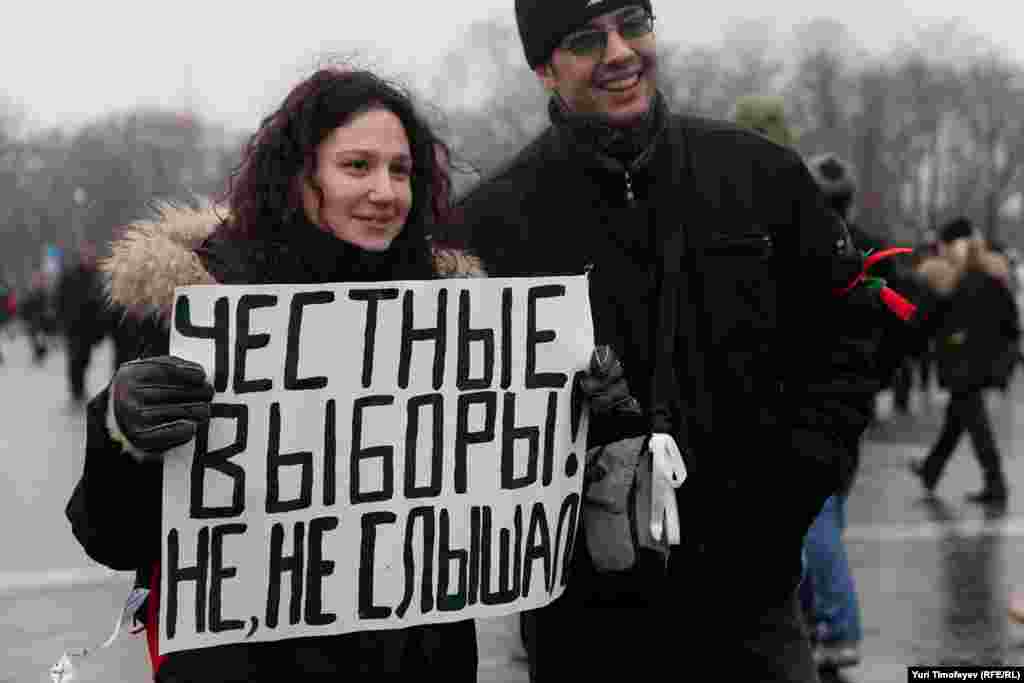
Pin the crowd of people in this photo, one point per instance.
(964, 292)
(69, 309)
(735, 301)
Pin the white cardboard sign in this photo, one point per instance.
(381, 455)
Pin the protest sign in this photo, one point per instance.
(380, 456)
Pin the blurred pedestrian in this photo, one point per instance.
(343, 148)
(83, 316)
(831, 601)
(765, 114)
(8, 307)
(38, 316)
(706, 246)
(977, 348)
(924, 356)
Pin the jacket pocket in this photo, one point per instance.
(749, 244)
(740, 289)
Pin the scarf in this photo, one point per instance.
(320, 256)
(615, 148)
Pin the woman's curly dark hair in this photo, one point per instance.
(263, 194)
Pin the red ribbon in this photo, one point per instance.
(892, 299)
(898, 304)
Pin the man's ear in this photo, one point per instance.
(546, 74)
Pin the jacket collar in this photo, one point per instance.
(616, 149)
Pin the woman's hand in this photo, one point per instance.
(157, 403)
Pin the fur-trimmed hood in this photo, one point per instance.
(155, 256)
(943, 274)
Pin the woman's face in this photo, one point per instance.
(364, 170)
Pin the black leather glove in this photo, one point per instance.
(605, 385)
(158, 402)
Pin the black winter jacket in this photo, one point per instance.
(80, 308)
(722, 285)
(123, 532)
(979, 337)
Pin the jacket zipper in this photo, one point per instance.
(629, 189)
(755, 241)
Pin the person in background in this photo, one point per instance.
(8, 306)
(82, 316)
(341, 183)
(764, 114)
(977, 348)
(732, 296)
(829, 591)
(39, 316)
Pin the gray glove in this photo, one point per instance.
(158, 402)
(605, 384)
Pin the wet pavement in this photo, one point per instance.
(52, 596)
(934, 577)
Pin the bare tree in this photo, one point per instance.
(695, 80)
(823, 88)
(495, 102)
(991, 109)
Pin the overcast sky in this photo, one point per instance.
(65, 62)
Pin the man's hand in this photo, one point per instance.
(605, 385)
(158, 402)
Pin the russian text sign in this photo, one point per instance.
(380, 456)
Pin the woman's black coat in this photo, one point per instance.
(115, 508)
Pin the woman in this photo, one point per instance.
(976, 349)
(341, 183)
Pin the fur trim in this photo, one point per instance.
(156, 256)
(996, 265)
(943, 275)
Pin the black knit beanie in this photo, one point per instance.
(543, 23)
(956, 229)
(836, 180)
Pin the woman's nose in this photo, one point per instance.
(382, 189)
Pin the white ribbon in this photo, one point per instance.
(668, 472)
(64, 670)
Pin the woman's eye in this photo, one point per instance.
(358, 164)
(402, 171)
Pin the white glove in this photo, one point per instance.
(668, 472)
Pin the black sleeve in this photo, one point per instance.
(839, 323)
(114, 509)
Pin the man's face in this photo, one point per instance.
(618, 81)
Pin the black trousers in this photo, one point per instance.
(967, 412)
(682, 630)
(79, 352)
(902, 382)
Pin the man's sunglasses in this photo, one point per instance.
(592, 42)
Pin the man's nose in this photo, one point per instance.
(618, 48)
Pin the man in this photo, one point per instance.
(829, 590)
(723, 281)
(37, 314)
(8, 307)
(836, 179)
(977, 348)
(83, 316)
